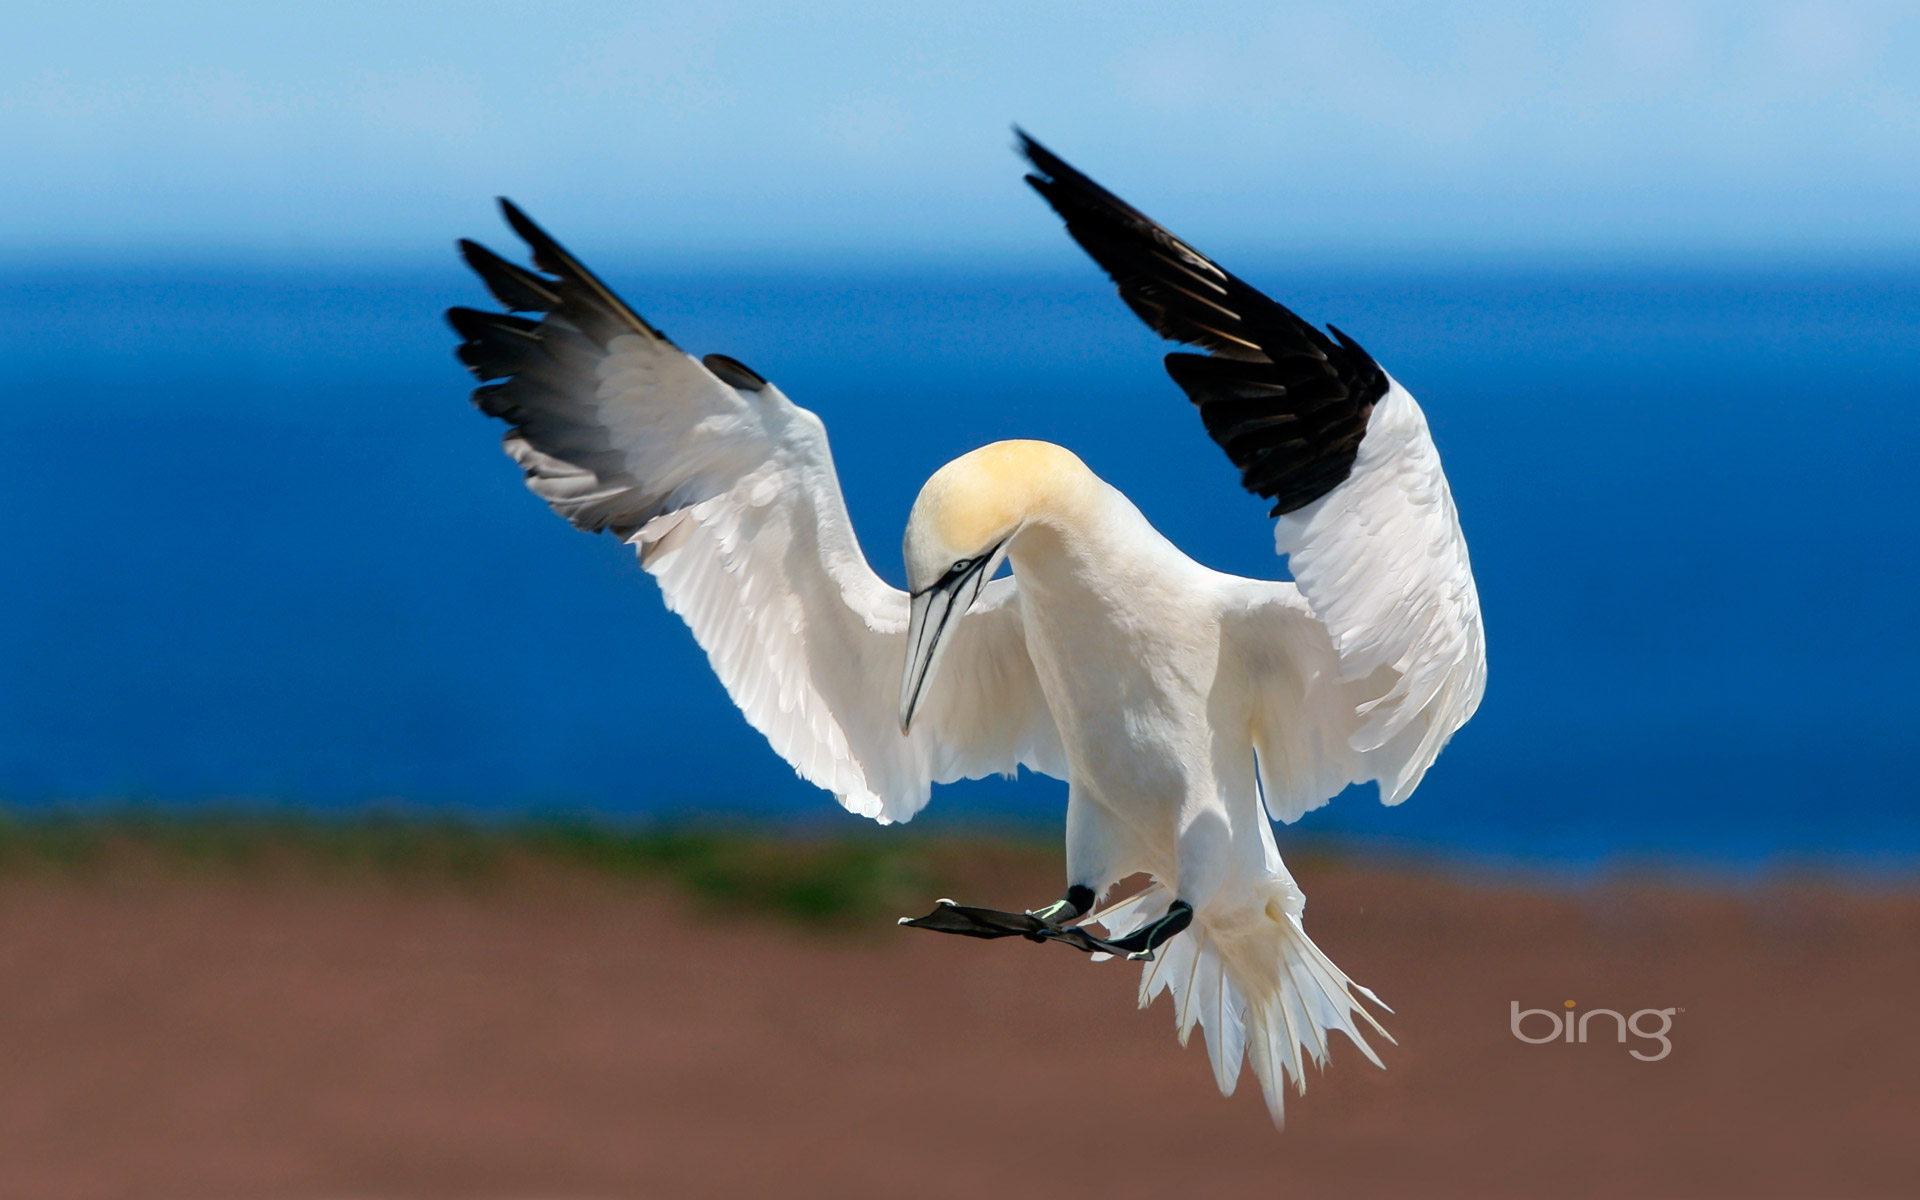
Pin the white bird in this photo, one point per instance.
(1184, 707)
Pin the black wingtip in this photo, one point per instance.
(548, 254)
(1029, 148)
(1340, 335)
(522, 224)
(1026, 147)
(1058, 171)
(478, 324)
(474, 254)
(467, 322)
(1287, 404)
(517, 289)
(1045, 164)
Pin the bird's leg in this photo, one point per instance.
(1070, 907)
(1142, 943)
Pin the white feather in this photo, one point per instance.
(1383, 565)
(809, 642)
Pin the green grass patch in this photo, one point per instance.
(814, 880)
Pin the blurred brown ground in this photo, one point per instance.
(561, 1035)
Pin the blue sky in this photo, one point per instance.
(873, 131)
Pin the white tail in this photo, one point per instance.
(1255, 982)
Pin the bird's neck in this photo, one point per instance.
(1079, 546)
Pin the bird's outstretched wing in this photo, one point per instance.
(728, 491)
(1385, 658)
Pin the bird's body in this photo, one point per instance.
(1183, 706)
(1131, 645)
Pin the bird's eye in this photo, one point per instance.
(960, 566)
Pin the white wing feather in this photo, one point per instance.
(1376, 655)
(810, 643)
(728, 491)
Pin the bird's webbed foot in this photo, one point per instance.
(1039, 925)
(1049, 925)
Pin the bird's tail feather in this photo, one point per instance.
(1256, 983)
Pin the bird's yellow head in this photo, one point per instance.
(962, 526)
(975, 504)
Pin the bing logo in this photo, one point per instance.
(1572, 1027)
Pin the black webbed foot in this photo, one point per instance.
(967, 921)
(1045, 926)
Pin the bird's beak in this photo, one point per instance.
(936, 613)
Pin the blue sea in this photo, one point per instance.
(260, 550)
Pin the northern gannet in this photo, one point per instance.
(1184, 707)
